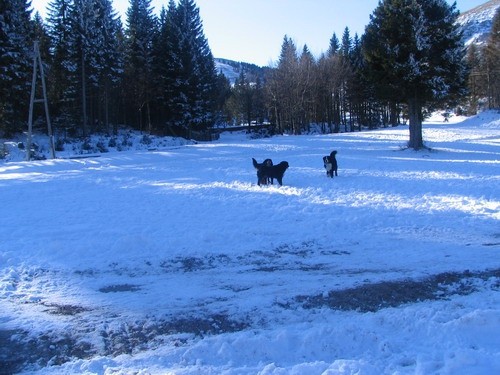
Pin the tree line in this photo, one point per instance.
(157, 74)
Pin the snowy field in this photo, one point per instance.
(173, 260)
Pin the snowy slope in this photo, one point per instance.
(229, 71)
(476, 23)
(232, 69)
(174, 261)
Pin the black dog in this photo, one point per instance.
(266, 163)
(330, 163)
(274, 171)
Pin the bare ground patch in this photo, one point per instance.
(376, 296)
(19, 350)
(118, 288)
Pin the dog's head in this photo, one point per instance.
(284, 165)
(327, 163)
(265, 163)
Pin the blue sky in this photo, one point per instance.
(253, 30)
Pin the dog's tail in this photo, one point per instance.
(255, 164)
(333, 153)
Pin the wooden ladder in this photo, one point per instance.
(37, 64)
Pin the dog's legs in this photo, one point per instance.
(261, 180)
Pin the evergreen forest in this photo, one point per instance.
(156, 73)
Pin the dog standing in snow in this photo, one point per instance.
(265, 163)
(267, 172)
(277, 172)
(330, 164)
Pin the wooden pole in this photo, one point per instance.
(46, 105)
(32, 101)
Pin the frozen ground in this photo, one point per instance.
(173, 261)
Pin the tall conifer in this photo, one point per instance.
(414, 50)
(168, 69)
(198, 75)
(60, 90)
(16, 61)
(140, 32)
(109, 62)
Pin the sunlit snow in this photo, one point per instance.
(173, 261)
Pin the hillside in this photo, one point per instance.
(476, 23)
(232, 69)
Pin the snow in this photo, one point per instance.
(173, 261)
(477, 22)
(227, 70)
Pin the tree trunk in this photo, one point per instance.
(415, 117)
(84, 99)
(150, 125)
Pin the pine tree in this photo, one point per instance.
(359, 87)
(109, 61)
(168, 70)
(283, 87)
(140, 33)
(334, 45)
(333, 70)
(198, 76)
(41, 34)
(84, 56)
(345, 48)
(61, 91)
(16, 60)
(345, 57)
(413, 49)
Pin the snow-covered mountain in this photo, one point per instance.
(476, 23)
(232, 69)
